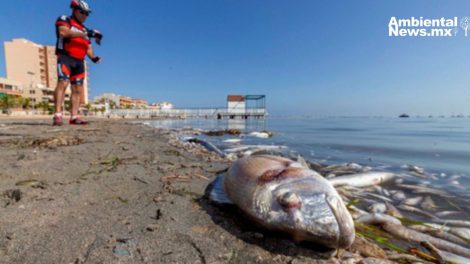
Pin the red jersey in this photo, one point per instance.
(74, 47)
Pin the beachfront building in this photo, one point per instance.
(125, 102)
(166, 105)
(139, 103)
(161, 106)
(235, 104)
(35, 67)
(108, 97)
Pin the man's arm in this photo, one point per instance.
(91, 55)
(65, 32)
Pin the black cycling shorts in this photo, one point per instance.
(72, 69)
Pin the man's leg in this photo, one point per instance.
(77, 78)
(75, 99)
(59, 95)
(77, 89)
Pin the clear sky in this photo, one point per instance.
(308, 57)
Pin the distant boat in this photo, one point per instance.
(403, 116)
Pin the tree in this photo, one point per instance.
(7, 102)
(26, 103)
(44, 106)
(112, 104)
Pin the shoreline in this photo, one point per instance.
(117, 191)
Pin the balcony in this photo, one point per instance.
(11, 92)
(47, 98)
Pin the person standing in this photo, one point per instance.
(73, 45)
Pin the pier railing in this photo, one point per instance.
(188, 113)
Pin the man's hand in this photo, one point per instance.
(93, 33)
(96, 59)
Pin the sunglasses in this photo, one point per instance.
(84, 12)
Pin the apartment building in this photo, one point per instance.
(34, 66)
(125, 101)
(139, 103)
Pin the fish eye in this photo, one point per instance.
(289, 200)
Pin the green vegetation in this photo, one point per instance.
(7, 102)
(377, 235)
(46, 107)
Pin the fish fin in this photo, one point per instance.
(302, 161)
(217, 192)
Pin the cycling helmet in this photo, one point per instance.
(81, 5)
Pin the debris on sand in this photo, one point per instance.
(51, 143)
(32, 183)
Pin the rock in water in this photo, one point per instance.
(285, 196)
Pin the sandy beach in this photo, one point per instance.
(117, 192)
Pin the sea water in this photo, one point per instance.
(440, 146)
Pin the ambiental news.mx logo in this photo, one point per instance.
(423, 27)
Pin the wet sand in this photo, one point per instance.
(115, 192)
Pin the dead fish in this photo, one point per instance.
(423, 189)
(285, 196)
(452, 258)
(413, 201)
(428, 204)
(377, 208)
(414, 168)
(362, 179)
(398, 195)
(416, 210)
(377, 218)
(261, 134)
(302, 161)
(446, 213)
(254, 148)
(378, 196)
(232, 140)
(209, 146)
(381, 190)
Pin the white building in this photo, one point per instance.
(108, 96)
(165, 105)
(236, 104)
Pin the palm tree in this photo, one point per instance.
(112, 104)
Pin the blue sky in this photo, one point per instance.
(308, 57)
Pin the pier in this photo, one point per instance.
(208, 113)
(238, 107)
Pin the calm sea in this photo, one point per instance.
(441, 146)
